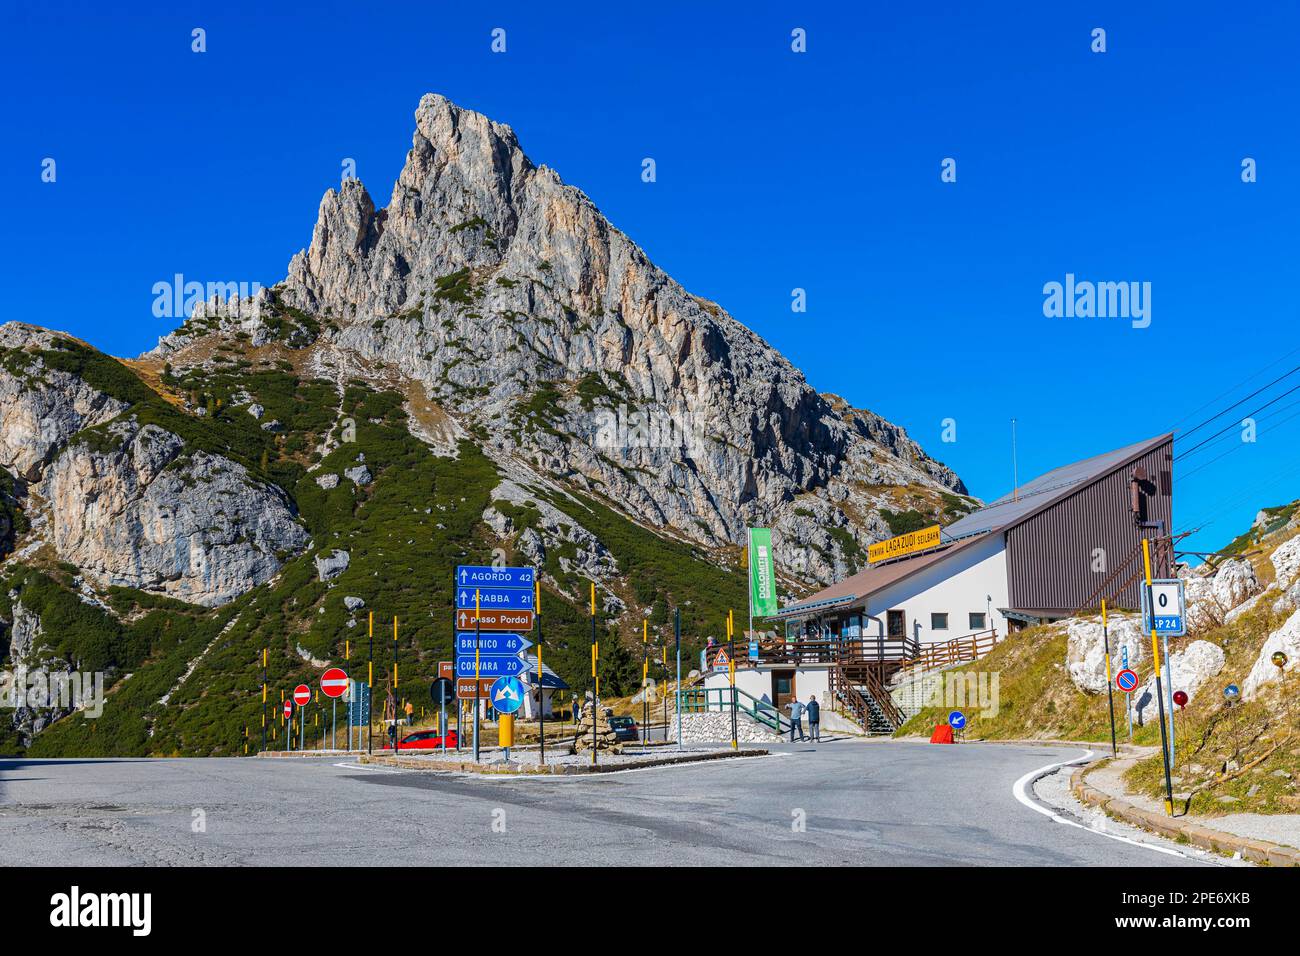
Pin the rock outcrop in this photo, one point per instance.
(41, 407)
(519, 307)
(1085, 655)
(1285, 639)
(136, 508)
(1189, 669)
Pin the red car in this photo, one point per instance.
(425, 740)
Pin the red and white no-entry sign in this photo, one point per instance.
(288, 709)
(334, 682)
(302, 695)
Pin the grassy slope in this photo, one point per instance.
(1038, 700)
(401, 564)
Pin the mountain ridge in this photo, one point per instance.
(484, 371)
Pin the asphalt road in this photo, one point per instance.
(841, 802)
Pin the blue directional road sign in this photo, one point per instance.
(491, 644)
(507, 695)
(479, 576)
(489, 666)
(495, 599)
(956, 720)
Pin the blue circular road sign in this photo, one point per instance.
(506, 695)
(956, 720)
(1126, 681)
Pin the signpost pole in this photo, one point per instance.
(1169, 690)
(677, 632)
(541, 685)
(264, 698)
(1110, 690)
(397, 698)
(1160, 696)
(595, 681)
(370, 688)
(731, 673)
(302, 729)
(477, 632)
(645, 675)
(663, 698)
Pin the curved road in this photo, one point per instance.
(841, 802)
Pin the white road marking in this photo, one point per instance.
(358, 766)
(1018, 789)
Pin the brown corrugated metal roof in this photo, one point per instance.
(872, 580)
(999, 516)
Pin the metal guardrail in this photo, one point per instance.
(702, 700)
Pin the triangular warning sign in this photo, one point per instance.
(722, 660)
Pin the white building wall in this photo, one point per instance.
(972, 580)
(757, 681)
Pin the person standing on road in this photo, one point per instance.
(796, 719)
(410, 713)
(814, 718)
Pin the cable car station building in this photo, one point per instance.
(1035, 555)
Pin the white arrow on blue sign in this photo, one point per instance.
(956, 720)
(489, 666)
(492, 643)
(479, 576)
(495, 599)
(507, 695)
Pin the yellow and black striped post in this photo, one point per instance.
(541, 687)
(731, 673)
(264, 698)
(1110, 688)
(1160, 694)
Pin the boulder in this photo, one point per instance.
(328, 482)
(256, 410)
(1085, 655)
(500, 524)
(360, 475)
(1288, 600)
(330, 566)
(1189, 669)
(1285, 639)
(1286, 563)
(353, 603)
(530, 545)
(1234, 583)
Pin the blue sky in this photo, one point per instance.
(776, 171)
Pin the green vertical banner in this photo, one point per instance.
(762, 574)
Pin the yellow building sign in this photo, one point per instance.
(902, 544)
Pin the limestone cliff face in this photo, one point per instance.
(144, 513)
(40, 407)
(522, 309)
(131, 505)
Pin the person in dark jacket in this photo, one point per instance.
(814, 718)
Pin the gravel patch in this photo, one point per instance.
(1283, 828)
(1054, 791)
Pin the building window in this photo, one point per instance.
(939, 622)
(853, 627)
(978, 621)
(896, 623)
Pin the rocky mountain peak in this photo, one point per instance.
(527, 317)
